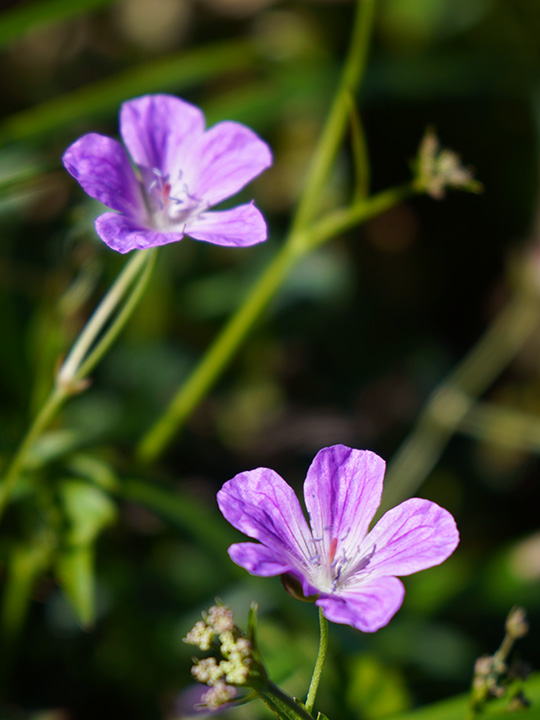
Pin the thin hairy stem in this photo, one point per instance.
(319, 663)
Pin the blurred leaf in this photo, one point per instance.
(52, 445)
(75, 572)
(89, 510)
(173, 72)
(93, 469)
(25, 563)
(456, 708)
(375, 691)
(19, 20)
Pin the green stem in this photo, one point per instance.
(227, 343)
(43, 418)
(100, 317)
(282, 704)
(336, 122)
(301, 239)
(319, 664)
(121, 319)
(204, 375)
(77, 366)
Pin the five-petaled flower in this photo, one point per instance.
(181, 171)
(352, 571)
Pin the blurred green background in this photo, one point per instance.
(361, 333)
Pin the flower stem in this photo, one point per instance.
(227, 343)
(100, 317)
(304, 236)
(207, 371)
(121, 319)
(336, 122)
(43, 418)
(319, 664)
(81, 360)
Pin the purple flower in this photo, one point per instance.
(181, 171)
(352, 571)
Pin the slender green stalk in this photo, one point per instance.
(100, 317)
(319, 663)
(204, 375)
(121, 319)
(360, 154)
(336, 123)
(450, 403)
(80, 360)
(43, 418)
(304, 236)
(231, 337)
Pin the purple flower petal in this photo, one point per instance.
(123, 234)
(227, 157)
(412, 536)
(258, 559)
(102, 168)
(368, 607)
(157, 130)
(239, 227)
(342, 493)
(260, 504)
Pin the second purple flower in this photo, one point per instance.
(182, 170)
(352, 571)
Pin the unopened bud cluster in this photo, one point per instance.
(438, 168)
(218, 630)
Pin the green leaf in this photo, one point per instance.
(51, 446)
(75, 572)
(25, 563)
(94, 469)
(88, 509)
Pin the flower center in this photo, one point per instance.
(170, 204)
(334, 568)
